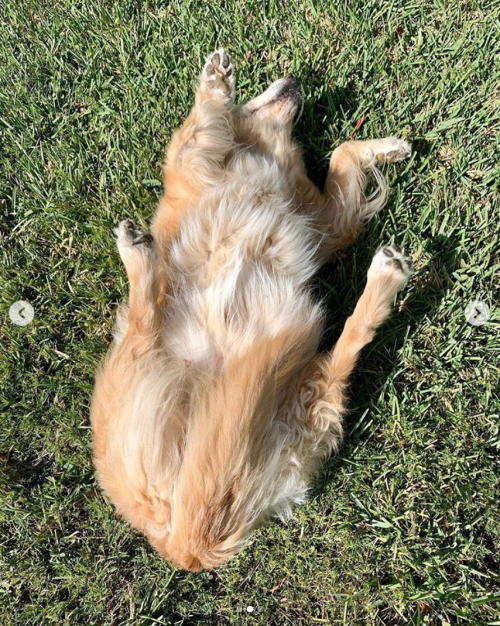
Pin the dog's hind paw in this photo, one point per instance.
(217, 78)
(129, 234)
(393, 263)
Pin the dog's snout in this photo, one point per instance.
(293, 80)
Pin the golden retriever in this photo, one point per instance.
(213, 409)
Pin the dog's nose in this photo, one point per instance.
(291, 79)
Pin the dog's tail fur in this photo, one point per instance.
(217, 490)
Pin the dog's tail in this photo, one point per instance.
(216, 498)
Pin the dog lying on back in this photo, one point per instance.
(212, 409)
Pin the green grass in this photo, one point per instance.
(403, 526)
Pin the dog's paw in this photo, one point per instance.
(374, 152)
(393, 150)
(217, 77)
(392, 263)
(129, 234)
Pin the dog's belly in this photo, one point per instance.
(239, 269)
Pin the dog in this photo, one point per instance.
(213, 410)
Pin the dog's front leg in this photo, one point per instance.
(197, 154)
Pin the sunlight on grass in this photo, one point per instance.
(403, 525)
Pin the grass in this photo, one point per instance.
(403, 525)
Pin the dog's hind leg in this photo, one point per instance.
(343, 209)
(321, 395)
(197, 153)
(140, 255)
(125, 404)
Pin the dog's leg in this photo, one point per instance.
(141, 258)
(321, 396)
(343, 209)
(196, 156)
(346, 184)
(123, 429)
(217, 79)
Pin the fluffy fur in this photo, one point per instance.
(212, 409)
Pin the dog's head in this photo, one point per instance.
(281, 103)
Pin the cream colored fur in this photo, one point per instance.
(212, 409)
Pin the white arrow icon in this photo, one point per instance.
(21, 313)
(477, 313)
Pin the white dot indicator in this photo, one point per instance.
(21, 313)
(250, 609)
(477, 312)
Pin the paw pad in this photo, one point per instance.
(128, 233)
(391, 262)
(217, 76)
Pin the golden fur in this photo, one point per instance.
(212, 409)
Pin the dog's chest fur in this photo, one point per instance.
(239, 267)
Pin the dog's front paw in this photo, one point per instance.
(391, 263)
(217, 78)
(393, 150)
(129, 234)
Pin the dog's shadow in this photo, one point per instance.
(339, 285)
(326, 110)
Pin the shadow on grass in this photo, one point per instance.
(340, 284)
(26, 471)
(329, 107)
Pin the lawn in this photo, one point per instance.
(403, 525)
